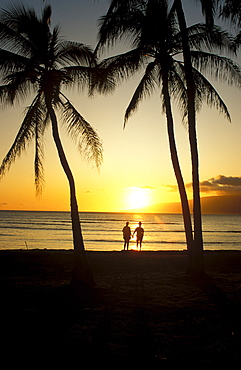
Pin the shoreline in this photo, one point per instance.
(113, 251)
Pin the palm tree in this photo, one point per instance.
(35, 60)
(159, 71)
(157, 42)
(209, 9)
(191, 87)
(225, 9)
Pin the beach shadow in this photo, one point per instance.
(230, 318)
(230, 310)
(52, 325)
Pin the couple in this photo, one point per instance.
(127, 235)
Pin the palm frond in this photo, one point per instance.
(96, 79)
(237, 40)
(212, 39)
(12, 41)
(218, 67)
(41, 119)
(20, 30)
(18, 86)
(177, 88)
(121, 18)
(101, 81)
(231, 11)
(38, 161)
(69, 53)
(124, 65)
(78, 75)
(206, 93)
(25, 134)
(144, 89)
(88, 141)
(10, 62)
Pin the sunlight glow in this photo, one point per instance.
(138, 197)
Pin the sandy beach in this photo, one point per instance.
(145, 310)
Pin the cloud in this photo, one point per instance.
(172, 188)
(145, 187)
(221, 185)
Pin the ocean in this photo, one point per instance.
(103, 231)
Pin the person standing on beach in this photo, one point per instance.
(126, 235)
(139, 235)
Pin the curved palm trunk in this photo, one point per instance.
(198, 265)
(177, 170)
(81, 273)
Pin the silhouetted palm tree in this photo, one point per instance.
(209, 8)
(157, 44)
(191, 116)
(36, 61)
(225, 9)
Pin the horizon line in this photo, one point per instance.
(124, 212)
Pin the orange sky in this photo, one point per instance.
(137, 169)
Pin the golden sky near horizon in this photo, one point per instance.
(137, 169)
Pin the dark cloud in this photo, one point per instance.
(221, 185)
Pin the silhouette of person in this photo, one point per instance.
(126, 235)
(139, 235)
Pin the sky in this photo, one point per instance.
(136, 169)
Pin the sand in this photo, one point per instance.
(145, 310)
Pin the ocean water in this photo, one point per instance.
(103, 231)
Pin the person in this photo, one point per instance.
(126, 235)
(139, 235)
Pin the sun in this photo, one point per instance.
(138, 197)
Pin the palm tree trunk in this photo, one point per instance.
(177, 170)
(81, 272)
(198, 239)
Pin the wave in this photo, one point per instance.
(103, 231)
(67, 227)
(22, 227)
(157, 242)
(121, 242)
(99, 220)
(222, 231)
